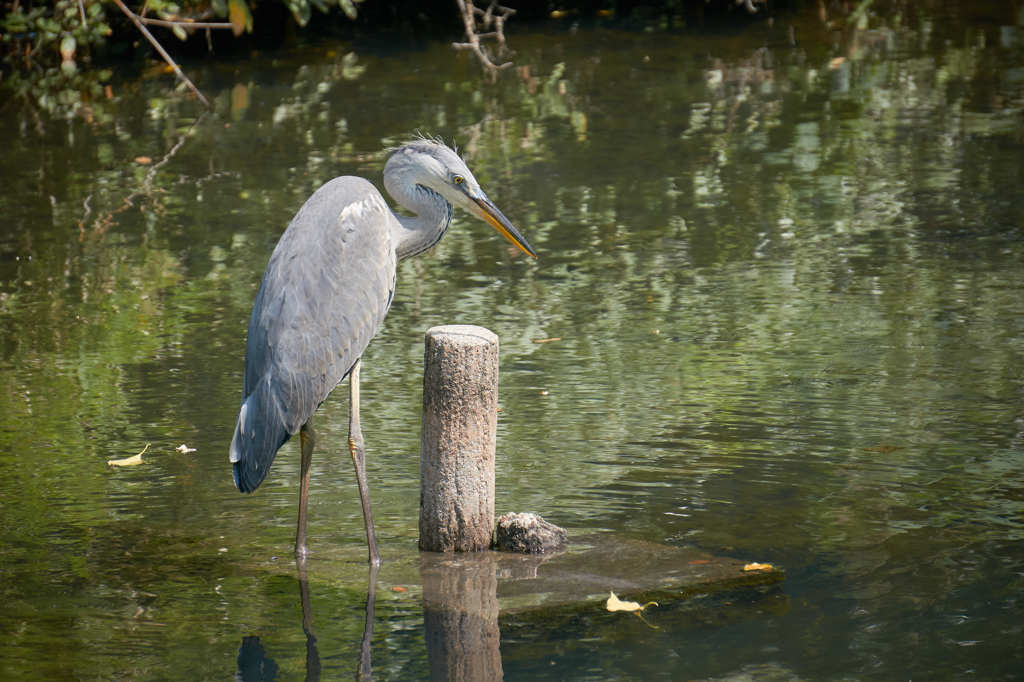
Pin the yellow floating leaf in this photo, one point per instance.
(548, 340)
(758, 567)
(134, 460)
(616, 604)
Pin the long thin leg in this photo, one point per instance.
(355, 447)
(308, 438)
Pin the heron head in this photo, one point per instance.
(436, 166)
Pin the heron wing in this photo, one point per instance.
(324, 295)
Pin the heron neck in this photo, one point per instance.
(416, 233)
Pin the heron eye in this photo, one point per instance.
(458, 179)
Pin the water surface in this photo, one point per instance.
(785, 268)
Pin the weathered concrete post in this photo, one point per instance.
(460, 422)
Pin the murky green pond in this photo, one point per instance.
(785, 266)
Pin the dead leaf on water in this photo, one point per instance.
(551, 339)
(758, 567)
(143, 160)
(134, 460)
(615, 604)
(184, 449)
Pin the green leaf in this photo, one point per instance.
(348, 7)
(16, 22)
(67, 47)
(300, 10)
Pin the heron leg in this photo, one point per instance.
(308, 438)
(358, 452)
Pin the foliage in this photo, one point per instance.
(302, 9)
(44, 44)
(42, 34)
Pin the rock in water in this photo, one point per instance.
(528, 534)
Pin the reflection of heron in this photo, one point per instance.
(324, 295)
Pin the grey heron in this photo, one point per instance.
(323, 297)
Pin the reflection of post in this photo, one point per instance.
(460, 421)
(460, 614)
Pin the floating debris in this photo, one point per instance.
(184, 449)
(616, 604)
(134, 460)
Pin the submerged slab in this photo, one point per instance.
(581, 575)
(596, 565)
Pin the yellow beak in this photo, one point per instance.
(490, 214)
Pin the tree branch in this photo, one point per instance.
(140, 23)
(470, 13)
(186, 23)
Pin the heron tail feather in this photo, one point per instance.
(259, 433)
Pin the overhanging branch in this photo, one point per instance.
(140, 24)
(478, 24)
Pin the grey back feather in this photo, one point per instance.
(323, 297)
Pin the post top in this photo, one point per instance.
(464, 333)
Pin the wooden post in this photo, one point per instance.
(460, 421)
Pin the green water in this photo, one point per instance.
(786, 269)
